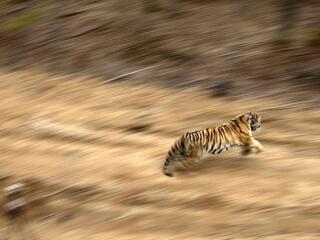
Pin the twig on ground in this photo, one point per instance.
(131, 73)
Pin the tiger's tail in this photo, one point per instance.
(167, 169)
(176, 153)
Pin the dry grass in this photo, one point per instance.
(116, 165)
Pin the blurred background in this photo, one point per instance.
(93, 93)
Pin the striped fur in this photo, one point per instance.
(192, 147)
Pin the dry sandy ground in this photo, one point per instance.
(111, 141)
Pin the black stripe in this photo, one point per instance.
(197, 136)
(217, 137)
(166, 162)
(235, 126)
(182, 144)
(201, 136)
(192, 137)
(208, 135)
(207, 139)
(226, 134)
(213, 141)
(224, 140)
(240, 128)
(179, 148)
(220, 141)
(231, 135)
(229, 132)
(221, 133)
(211, 147)
(173, 150)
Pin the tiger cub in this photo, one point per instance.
(191, 147)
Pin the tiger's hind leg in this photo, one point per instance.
(172, 163)
(169, 168)
(188, 163)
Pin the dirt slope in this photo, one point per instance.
(111, 141)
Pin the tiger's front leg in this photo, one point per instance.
(257, 145)
(249, 145)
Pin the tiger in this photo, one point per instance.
(194, 146)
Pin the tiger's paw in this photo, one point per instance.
(168, 174)
(259, 150)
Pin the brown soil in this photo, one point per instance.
(111, 139)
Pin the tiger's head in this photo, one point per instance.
(254, 120)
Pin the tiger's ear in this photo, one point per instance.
(249, 115)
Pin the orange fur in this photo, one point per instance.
(192, 147)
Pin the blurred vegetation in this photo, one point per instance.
(21, 21)
(314, 38)
(107, 38)
(15, 1)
